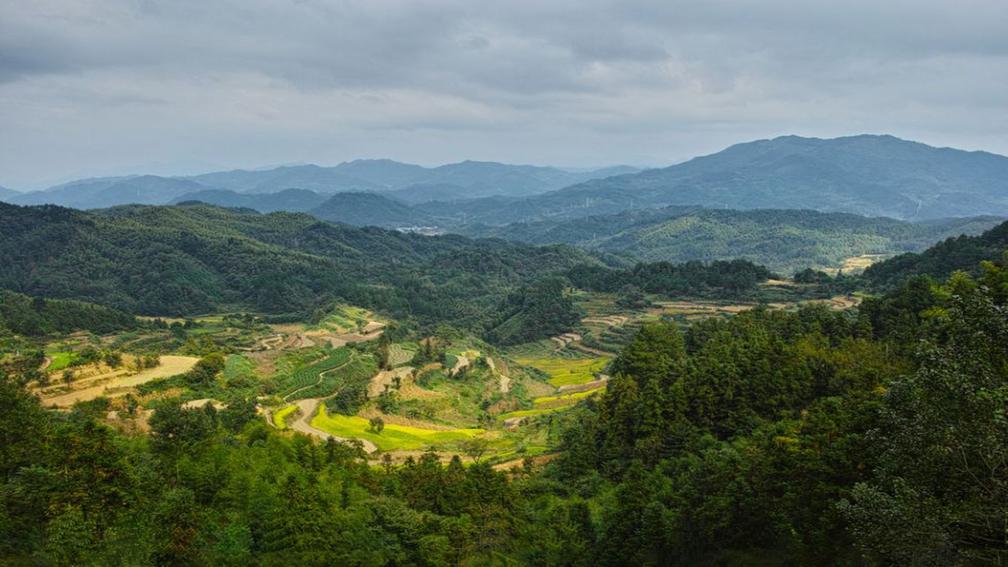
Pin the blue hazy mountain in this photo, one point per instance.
(868, 175)
(294, 200)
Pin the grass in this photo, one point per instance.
(393, 437)
(237, 366)
(567, 371)
(61, 359)
(280, 417)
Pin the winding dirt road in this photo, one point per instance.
(308, 408)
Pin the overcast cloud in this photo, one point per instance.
(182, 86)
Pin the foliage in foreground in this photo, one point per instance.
(811, 437)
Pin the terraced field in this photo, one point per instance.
(393, 437)
(401, 353)
(117, 382)
(60, 360)
(550, 404)
(305, 378)
(567, 371)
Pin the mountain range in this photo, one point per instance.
(407, 182)
(866, 175)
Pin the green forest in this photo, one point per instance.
(875, 435)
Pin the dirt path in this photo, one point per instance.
(503, 380)
(308, 408)
(46, 363)
(117, 384)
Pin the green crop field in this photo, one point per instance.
(349, 378)
(60, 359)
(280, 416)
(393, 437)
(567, 371)
(237, 366)
(299, 381)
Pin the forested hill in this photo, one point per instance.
(25, 315)
(783, 240)
(959, 253)
(292, 200)
(867, 175)
(196, 259)
(368, 209)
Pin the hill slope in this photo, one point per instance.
(868, 175)
(367, 209)
(783, 240)
(958, 253)
(195, 259)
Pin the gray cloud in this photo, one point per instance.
(92, 87)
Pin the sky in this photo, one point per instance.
(91, 88)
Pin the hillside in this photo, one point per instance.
(293, 200)
(367, 209)
(958, 253)
(38, 316)
(867, 175)
(783, 240)
(7, 194)
(196, 259)
(111, 191)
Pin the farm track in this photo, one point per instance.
(308, 408)
(503, 380)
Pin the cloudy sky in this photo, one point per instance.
(91, 87)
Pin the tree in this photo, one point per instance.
(475, 447)
(940, 492)
(376, 424)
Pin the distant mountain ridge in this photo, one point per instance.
(867, 175)
(292, 200)
(111, 191)
(7, 193)
(464, 180)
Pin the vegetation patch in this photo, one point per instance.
(392, 437)
(567, 371)
(280, 416)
